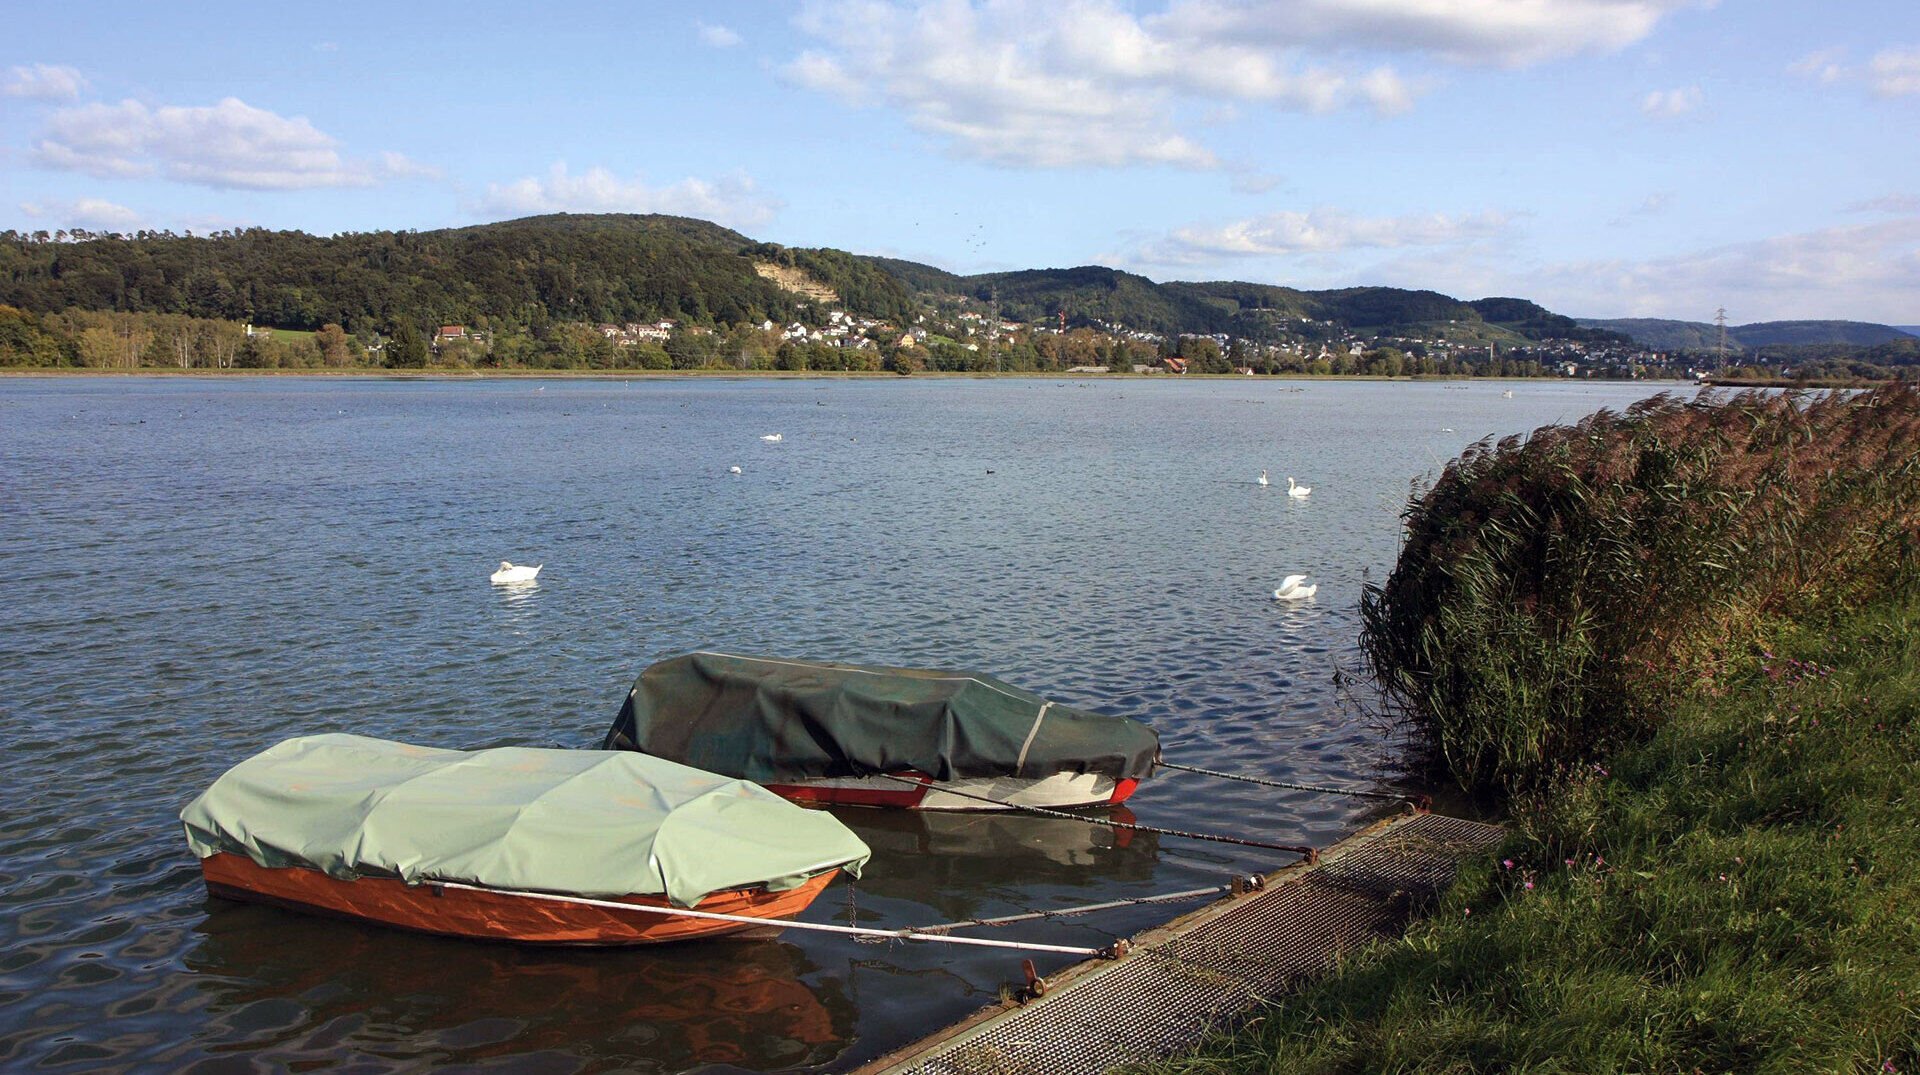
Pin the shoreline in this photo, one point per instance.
(846, 375)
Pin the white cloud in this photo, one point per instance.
(87, 213)
(43, 81)
(1058, 83)
(1825, 65)
(1322, 231)
(391, 165)
(719, 37)
(1895, 72)
(1869, 271)
(735, 201)
(1670, 104)
(1508, 33)
(1891, 72)
(227, 145)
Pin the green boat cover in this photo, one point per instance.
(773, 720)
(575, 822)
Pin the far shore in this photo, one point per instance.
(446, 374)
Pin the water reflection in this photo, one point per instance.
(960, 863)
(760, 1005)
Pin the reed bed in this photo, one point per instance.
(1558, 595)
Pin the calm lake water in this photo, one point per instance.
(195, 569)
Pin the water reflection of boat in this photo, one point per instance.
(955, 862)
(510, 843)
(758, 1005)
(903, 738)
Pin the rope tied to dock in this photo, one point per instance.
(1420, 801)
(1087, 908)
(1309, 853)
(1109, 952)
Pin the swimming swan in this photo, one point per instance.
(1291, 590)
(509, 573)
(733, 470)
(1263, 477)
(773, 438)
(1297, 490)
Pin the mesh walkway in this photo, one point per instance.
(1184, 979)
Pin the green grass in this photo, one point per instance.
(1681, 647)
(1739, 893)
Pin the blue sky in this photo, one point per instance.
(1609, 158)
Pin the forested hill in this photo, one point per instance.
(626, 268)
(1666, 335)
(524, 272)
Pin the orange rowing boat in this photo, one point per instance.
(499, 916)
(581, 847)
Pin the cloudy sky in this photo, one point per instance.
(1609, 158)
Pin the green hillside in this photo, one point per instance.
(622, 268)
(549, 268)
(1667, 335)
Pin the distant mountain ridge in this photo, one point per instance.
(624, 268)
(1667, 335)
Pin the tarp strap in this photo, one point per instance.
(1419, 800)
(1020, 765)
(778, 923)
(1308, 853)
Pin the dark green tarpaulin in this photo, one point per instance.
(769, 720)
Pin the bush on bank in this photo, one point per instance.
(1556, 596)
(1734, 895)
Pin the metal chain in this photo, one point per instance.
(1308, 853)
(1292, 787)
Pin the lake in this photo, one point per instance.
(196, 569)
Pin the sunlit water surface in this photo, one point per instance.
(193, 570)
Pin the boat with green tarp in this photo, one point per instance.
(513, 843)
(910, 738)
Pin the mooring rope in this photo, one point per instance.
(1062, 912)
(782, 923)
(1387, 796)
(1308, 853)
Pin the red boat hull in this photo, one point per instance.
(497, 916)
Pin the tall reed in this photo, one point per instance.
(1556, 594)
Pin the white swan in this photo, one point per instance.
(1263, 477)
(1508, 394)
(1297, 491)
(773, 438)
(510, 573)
(733, 470)
(1291, 590)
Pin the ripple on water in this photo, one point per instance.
(199, 570)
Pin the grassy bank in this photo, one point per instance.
(1681, 648)
(1737, 894)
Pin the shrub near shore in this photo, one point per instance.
(1556, 595)
(1683, 644)
(1735, 895)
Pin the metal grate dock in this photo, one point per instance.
(1197, 972)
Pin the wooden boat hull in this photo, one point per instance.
(497, 916)
(1056, 792)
